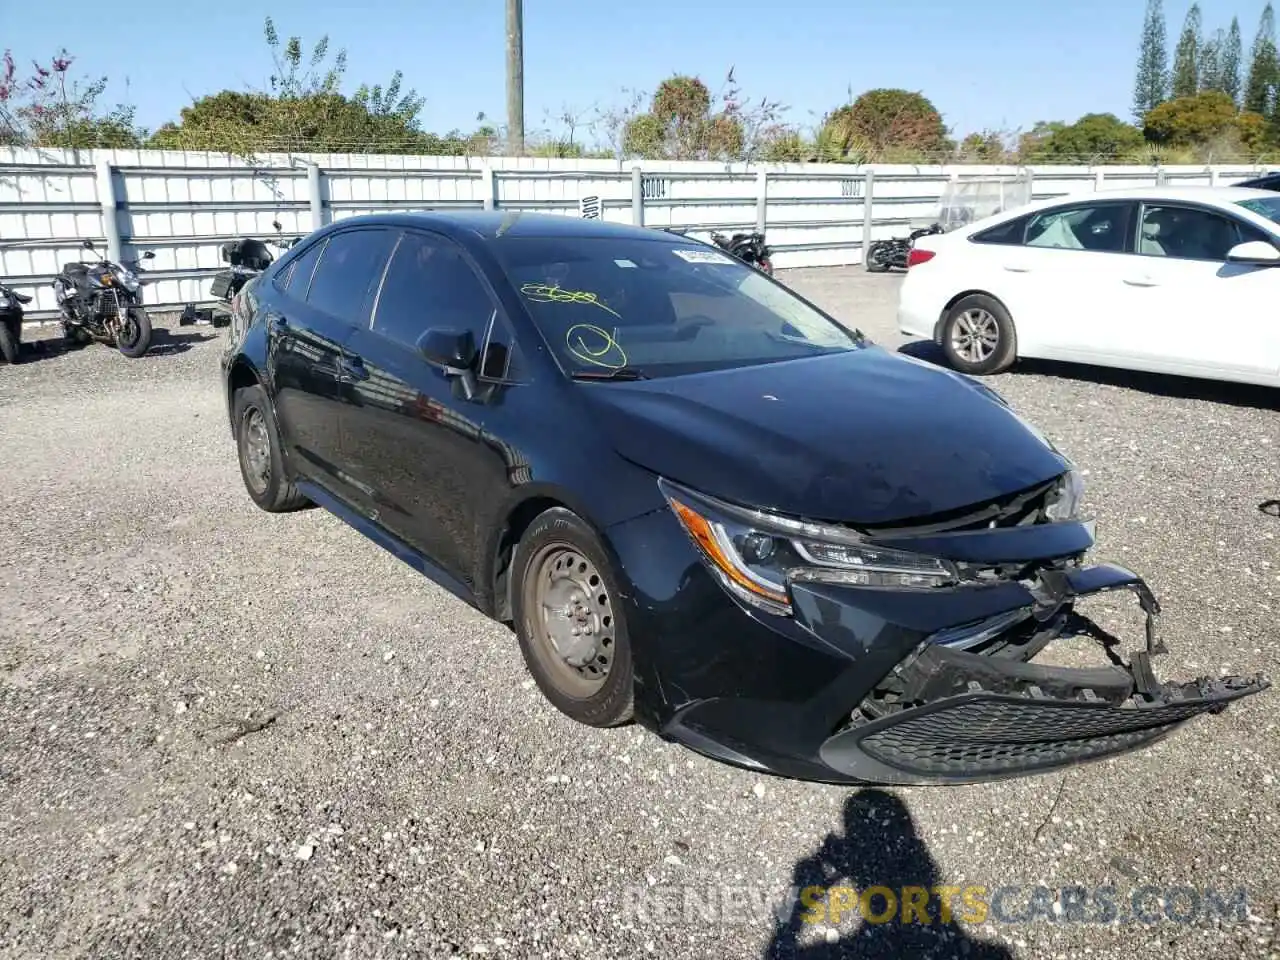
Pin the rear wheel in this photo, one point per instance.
(134, 336)
(572, 633)
(8, 342)
(261, 458)
(978, 336)
(876, 262)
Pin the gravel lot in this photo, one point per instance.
(233, 734)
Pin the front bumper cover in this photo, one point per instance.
(946, 714)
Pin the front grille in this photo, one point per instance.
(988, 734)
(1013, 510)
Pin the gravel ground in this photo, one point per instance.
(234, 734)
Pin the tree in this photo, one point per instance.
(1093, 138)
(986, 146)
(684, 122)
(49, 109)
(1209, 61)
(303, 109)
(1229, 58)
(1186, 67)
(1186, 121)
(1263, 66)
(884, 124)
(1151, 85)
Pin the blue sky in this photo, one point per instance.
(997, 63)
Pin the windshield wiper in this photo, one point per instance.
(615, 373)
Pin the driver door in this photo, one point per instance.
(1189, 311)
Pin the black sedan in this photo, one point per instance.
(698, 500)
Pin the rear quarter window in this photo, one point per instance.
(1009, 233)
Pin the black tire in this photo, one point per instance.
(8, 344)
(138, 344)
(556, 537)
(958, 329)
(266, 481)
(875, 258)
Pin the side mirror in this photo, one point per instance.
(1259, 253)
(149, 255)
(275, 225)
(454, 352)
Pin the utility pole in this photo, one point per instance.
(515, 76)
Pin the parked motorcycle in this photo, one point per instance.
(11, 322)
(246, 258)
(883, 254)
(102, 301)
(750, 248)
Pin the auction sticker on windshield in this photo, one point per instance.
(702, 256)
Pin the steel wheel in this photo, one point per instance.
(975, 335)
(255, 448)
(572, 618)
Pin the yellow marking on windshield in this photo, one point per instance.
(602, 348)
(545, 293)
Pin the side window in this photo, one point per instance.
(1102, 227)
(1005, 233)
(429, 284)
(298, 276)
(349, 272)
(1188, 233)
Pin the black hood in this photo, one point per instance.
(866, 437)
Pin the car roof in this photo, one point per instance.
(492, 224)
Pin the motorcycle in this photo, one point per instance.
(883, 254)
(102, 301)
(750, 248)
(11, 322)
(246, 258)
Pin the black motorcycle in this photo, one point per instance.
(246, 258)
(11, 322)
(102, 301)
(883, 254)
(750, 248)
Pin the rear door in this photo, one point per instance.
(326, 293)
(1187, 309)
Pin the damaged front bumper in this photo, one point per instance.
(939, 687)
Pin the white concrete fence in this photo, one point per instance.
(182, 206)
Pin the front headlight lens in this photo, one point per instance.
(1065, 499)
(129, 280)
(755, 554)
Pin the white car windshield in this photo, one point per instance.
(1268, 207)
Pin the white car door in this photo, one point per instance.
(1064, 275)
(1187, 310)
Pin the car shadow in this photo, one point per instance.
(1156, 384)
(879, 848)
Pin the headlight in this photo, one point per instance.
(129, 280)
(755, 554)
(1065, 499)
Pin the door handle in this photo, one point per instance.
(353, 367)
(1141, 282)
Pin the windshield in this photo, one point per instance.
(1268, 207)
(660, 308)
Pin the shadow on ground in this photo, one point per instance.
(879, 848)
(1157, 384)
(164, 342)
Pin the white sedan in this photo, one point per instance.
(1181, 280)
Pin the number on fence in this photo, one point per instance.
(653, 188)
(589, 208)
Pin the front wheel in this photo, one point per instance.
(8, 342)
(877, 260)
(978, 336)
(572, 632)
(134, 335)
(261, 458)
